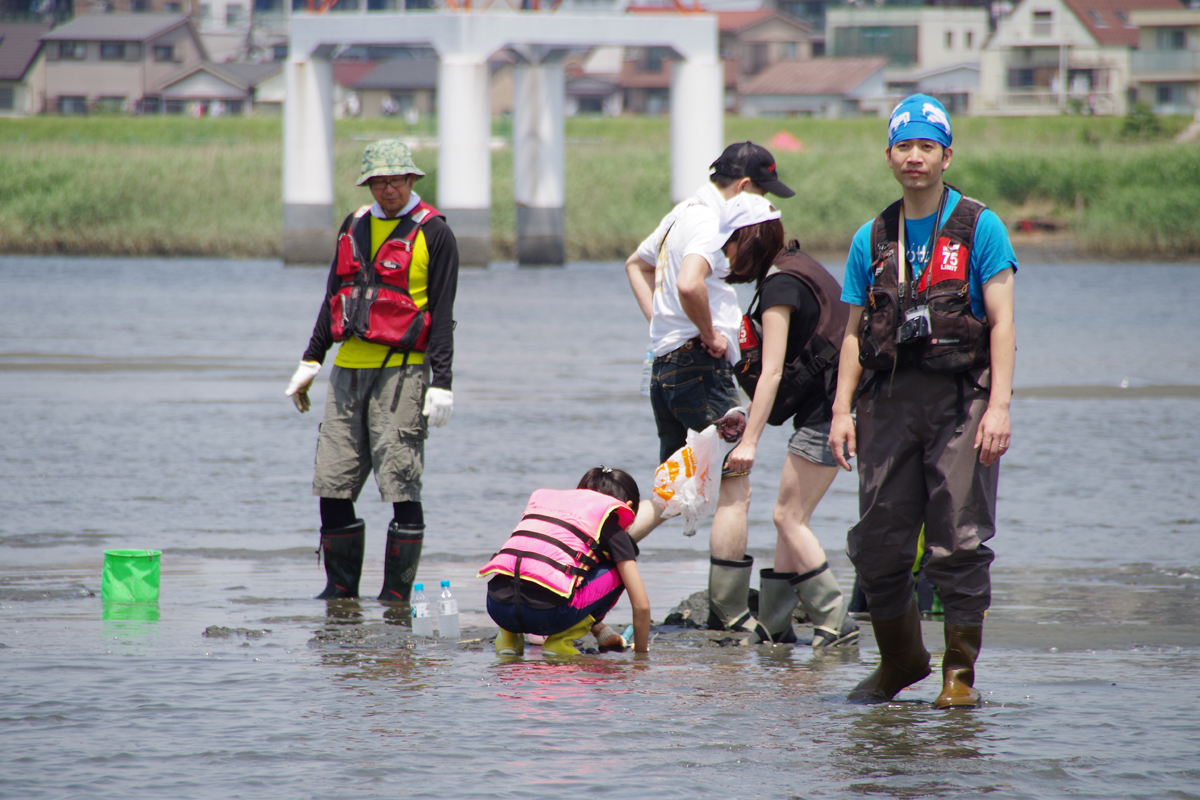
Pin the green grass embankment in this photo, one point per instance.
(179, 186)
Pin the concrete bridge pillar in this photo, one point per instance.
(539, 166)
(697, 121)
(464, 177)
(308, 226)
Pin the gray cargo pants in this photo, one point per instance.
(360, 432)
(914, 468)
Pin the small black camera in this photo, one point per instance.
(914, 327)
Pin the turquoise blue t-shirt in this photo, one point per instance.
(992, 254)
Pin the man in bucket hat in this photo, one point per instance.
(677, 276)
(389, 300)
(928, 361)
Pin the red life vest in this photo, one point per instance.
(557, 541)
(957, 340)
(373, 302)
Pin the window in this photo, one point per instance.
(1172, 39)
(164, 52)
(172, 8)
(112, 51)
(1121, 15)
(110, 105)
(1170, 94)
(1020, 79)
(234, 14)
(6, 98)
(1096, 19)
(72, 51)
(72, 105)
(970, 39)
(137, 6)
(279, 52)
(949, 40)
(1043, 23)
(205, 12)
(788, 51)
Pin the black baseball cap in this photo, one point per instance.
(748, 160)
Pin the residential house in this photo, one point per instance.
(757, 39)
(208, 87)
(929, 49)
(820, 87)
(117, 62)
(748, 43)
(22, 68)
(1051, 56)
(397, 85)
(1166, 65)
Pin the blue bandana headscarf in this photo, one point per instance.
(919, 116)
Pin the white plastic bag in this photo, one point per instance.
(688, 483)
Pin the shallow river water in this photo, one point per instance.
(141, 405)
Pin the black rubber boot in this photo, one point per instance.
(400, 561)
(903, 659)
(342, 549)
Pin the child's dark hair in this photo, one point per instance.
(612, 482)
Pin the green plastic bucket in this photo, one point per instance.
(130, 576)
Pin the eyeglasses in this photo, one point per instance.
(395, 183)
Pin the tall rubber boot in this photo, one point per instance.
(903, 659)
(400, 561)
(728, 595)
(563, 644)
(776, 601)
(958, 667)
(342, 549)
(822, 598)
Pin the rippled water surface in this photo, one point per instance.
(142, 406)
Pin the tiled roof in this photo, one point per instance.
(837, 76)
(401, 73)
(115, 27)
(732, 21)
(348, 73)
(1101, 20)
(19, 43)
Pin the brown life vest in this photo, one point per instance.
(373, 303)
(957, 340)
(814, 368)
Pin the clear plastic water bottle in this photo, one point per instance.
(647, 368)
(422, 620)
(448, 627)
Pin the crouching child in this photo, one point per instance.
(565, 566)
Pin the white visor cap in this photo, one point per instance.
(742, 211)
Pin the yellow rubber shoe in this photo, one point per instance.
(509, 643)
(563, 644)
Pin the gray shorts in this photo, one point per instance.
(361, 433)
(811, 442)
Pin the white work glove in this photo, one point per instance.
(438, 405)
(301, 383)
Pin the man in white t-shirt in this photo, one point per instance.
(677, 277)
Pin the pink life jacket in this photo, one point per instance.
(557, 542)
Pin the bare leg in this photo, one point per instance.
(728, 538)
(801, 487)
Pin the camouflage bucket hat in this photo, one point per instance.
(387, 157)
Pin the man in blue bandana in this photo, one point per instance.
(927, 362)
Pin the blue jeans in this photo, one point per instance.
(549, 621)
(688, 389)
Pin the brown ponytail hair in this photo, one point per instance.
(757, 246)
